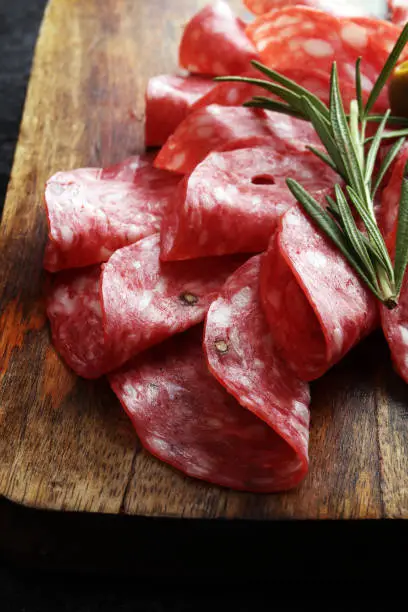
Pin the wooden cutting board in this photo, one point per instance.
(65, 443)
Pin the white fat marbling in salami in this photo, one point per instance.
(233, 200)
(145, 301)
(184, 417)
(92, 212)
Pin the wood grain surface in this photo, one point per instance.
(65, 443)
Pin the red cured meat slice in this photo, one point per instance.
(145, 301)
(398, 10)
(298, 35)
(74, 311)
(184, 417)
(217, 127)
(214, 42)
(235, 94)
(395, 326)
(242, 356)
(92, 212)
(390, 196)
(342, 7)
(233, 200)
(169, 99)
(316, 306)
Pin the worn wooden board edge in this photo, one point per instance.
(389, 499)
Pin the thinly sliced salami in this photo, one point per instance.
(390, 197)
(299, 35)
(145, 301)
(233, 200)
(242, 356)
(184, 417)
(398, 11)
(395, 326)
(316, 306)
(219, 127)
(92, 212)
(169, 99)
(74, 311)
(342, 7)
(214, 42)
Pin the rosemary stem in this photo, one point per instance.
(355, 132)
(387, 287)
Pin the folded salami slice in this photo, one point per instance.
(390, 197)
(242, 356)
(92, 212)
(218, 127)
(233, 200)
(145, 301)
(316, 306)
(395, 327)
(301, 35)
(74, 311)
(342, 7)
(169, 99)
(214, 42)
(184, 417)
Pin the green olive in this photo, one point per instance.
(398, 90)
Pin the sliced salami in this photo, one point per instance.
(214, 42)
(92, 212)
(242, 356)
(299, 35)
(233, 200)
(145, 301)
(390, 197)
(74, 311)
(184, 417)
(316, 306)
(395, 326)
(219, 127)
(342, 7)
(169, 99)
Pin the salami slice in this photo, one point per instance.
(395, 326)
(388, 214)
(398, 11)
(74, 311)
(342, 7)
(233, 200)
(299, 35)
(242, 356)
(316, 306)
(145, 301)
(169, 99)
(220, 127)
(92, 212)
(184, 417)
(214, 42)
(235, 94)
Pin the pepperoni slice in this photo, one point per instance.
(169, 99)
(233, 200)
(342, 7)
(316, 306)
(184, 417)
(214, 42)
(398, 11)
(219, 127)
(92, 212)
(242, 356)
(299, 35)
(74, 311)
(145, 301)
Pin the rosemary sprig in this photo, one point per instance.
(349, 219)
